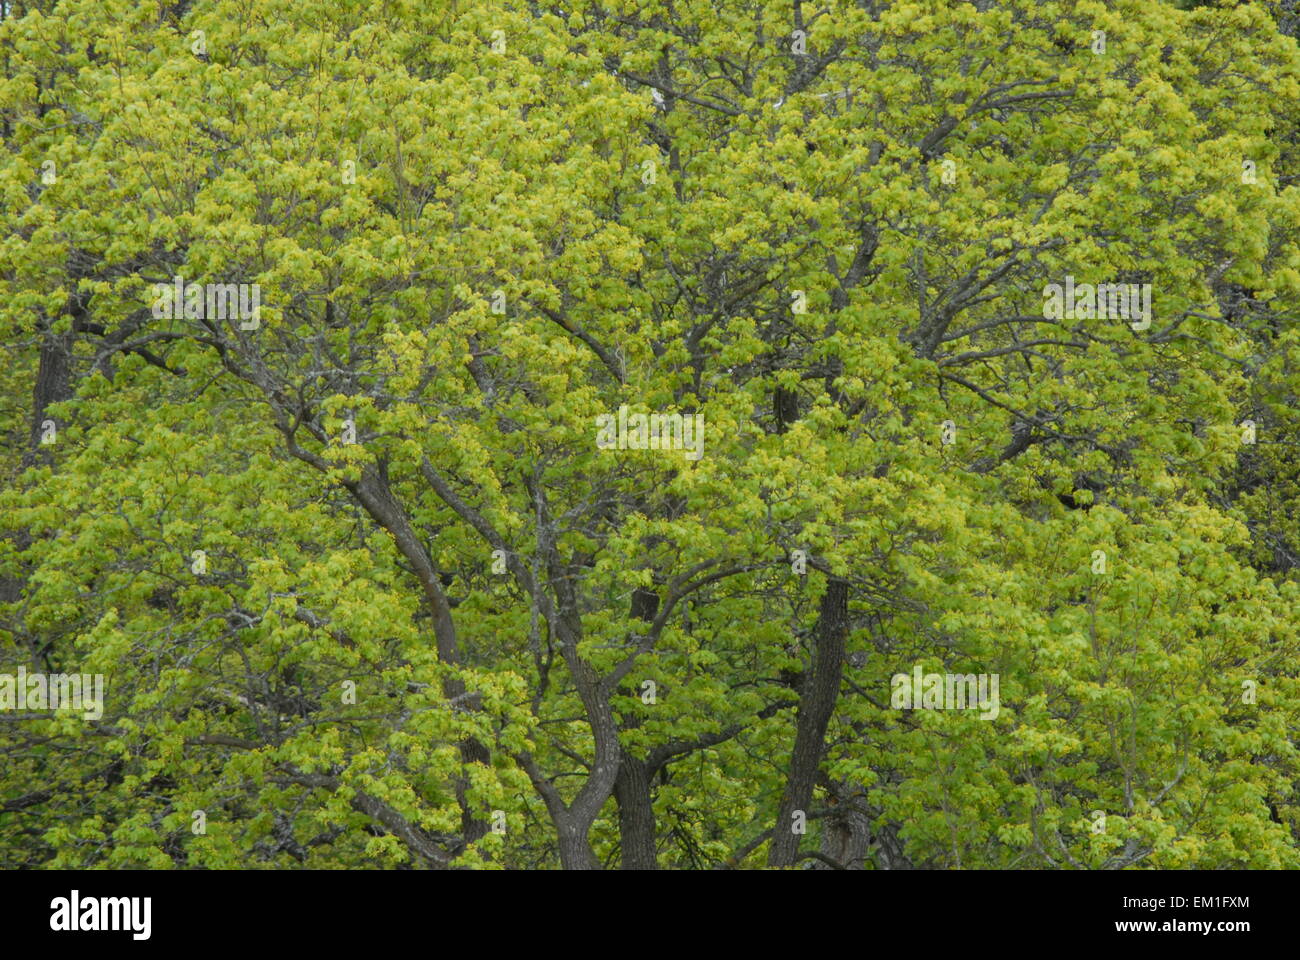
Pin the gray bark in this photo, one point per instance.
(816, 704)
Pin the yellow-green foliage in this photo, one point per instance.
(478, 226)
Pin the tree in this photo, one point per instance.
(966, 303)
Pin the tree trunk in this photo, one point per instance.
(816, 704)
(53, 385)
(636, 818)
(575, 850)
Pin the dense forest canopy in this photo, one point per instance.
(334, 335)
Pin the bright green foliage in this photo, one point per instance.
(434, 624)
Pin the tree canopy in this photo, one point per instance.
(364, 587)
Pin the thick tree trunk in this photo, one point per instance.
(636, 818)
(574, 824)
(816, 704)
(575, 849)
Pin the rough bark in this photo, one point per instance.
(636, 819)
(816, 704)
